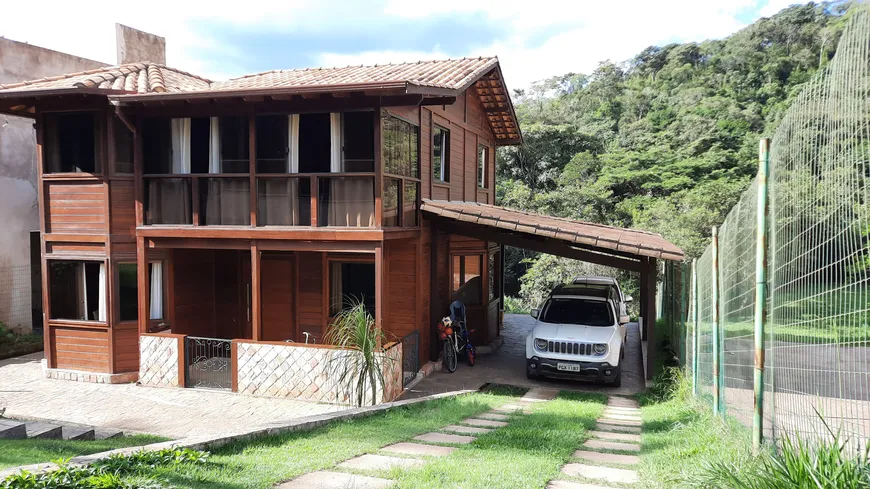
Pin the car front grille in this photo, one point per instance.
(569, 347)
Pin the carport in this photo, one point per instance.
(627, 249)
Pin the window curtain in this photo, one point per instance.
(228, 202)
(214, 146)
(156, 311)
(280, 202)
(293, 141)
(335, 165)
(169, 201)
(352, 202)
(335, 289)
(181, 146)
(81, 291)
(101, 294)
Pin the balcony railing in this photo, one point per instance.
(281, 199)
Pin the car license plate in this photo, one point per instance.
(568, 367)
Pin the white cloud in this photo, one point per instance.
(543, 38)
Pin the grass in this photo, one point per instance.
(264, 462)
(25, 452)
(523, 455)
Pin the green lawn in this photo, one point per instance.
(266, 461)
(679, 436)
(25, 452)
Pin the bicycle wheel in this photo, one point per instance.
(470, 355)
(449, 356)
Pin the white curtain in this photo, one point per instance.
(181, 146)
(81, 290)
(214, 146)
(156, 311)
(335, 142)
(279, 202)
(101, 305)
(352, 202)
(293, 141)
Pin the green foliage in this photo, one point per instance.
(106, 473)
(666, 141)
(795, 464)
(13, 343)
(359, 364)
(513, 305)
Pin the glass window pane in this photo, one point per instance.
(71, 143)
(123, 148)
(391, 202)
(74, 290)
(409, 204)
(481, 166)
(283, 202)
(351, 283)
(168, 201)
(457, 273)
(128, 292)
(272, 144)
(225, 201)
(234, 144)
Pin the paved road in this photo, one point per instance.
(174, 413)
(508, 366)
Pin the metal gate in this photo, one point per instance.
(208, 363)
(410, 357)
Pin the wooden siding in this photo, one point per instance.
(80, 348)
(276, 295)
(126, 348)
(123, 211)
(400, 317)
(77, 249)
(75, 208)
(312, 315)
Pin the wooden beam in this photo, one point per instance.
(305, 233)
(379, 288)
(649, 296)
(438, 101)
(379, 170)
(311, 96)
(256, 324)
(252, 168)
(143, 285)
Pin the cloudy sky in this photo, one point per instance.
(534, 39)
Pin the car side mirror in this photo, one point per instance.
(535, 313)
(624, 319)
(628, 298)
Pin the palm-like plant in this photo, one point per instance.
(358, 365)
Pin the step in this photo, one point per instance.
(605, 458)
(406, 448)
(573, 485)
(615, 476)
(13, 430)
(621, 422)
(613, 436)
(106, 433)
(379, 462)
(611, 445)
(484, 423)
(622, 402)
(617, 428)
(466, 430)
(325, 479)
(445, 438)
(82, 434)
(494, 416)
(38, 429)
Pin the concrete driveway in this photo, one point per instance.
(508, 366)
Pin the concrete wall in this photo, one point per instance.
(18, 209)
(135, 46)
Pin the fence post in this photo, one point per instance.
(760, 312)
(695, 333)
(717, 347)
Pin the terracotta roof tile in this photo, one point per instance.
(134, 77)
(634, 241)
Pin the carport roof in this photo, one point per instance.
(579, 234)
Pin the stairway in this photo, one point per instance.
(11, 429)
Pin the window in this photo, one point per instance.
(234, 144)
(467, 280)
(314, 143)
(391, 201)
(482, 158)
(71, 143)
(157, 145)
(349, 284)
(77, 290)
(400, 148)
(273, 145)
(358, 130)
(123, 148)
(441, 154)
(409, 203)
(128, 291)
(577, 311)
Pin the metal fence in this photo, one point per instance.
(410, 357)
(208, 363)
(793, 298)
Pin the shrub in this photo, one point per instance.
(514, 305)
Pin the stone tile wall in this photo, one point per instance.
(159, 357)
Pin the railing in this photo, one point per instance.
(208, 363)
(410, 357)
(281, 199)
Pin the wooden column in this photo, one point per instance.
(649, 297)
(143, 285)
(256, 324)
(379, 285)
(433, 298)
(138, 170)
(252, 167)
(644, 327)
(46, 303)
(379, 171)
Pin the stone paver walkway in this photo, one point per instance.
(434, 444)
(607, 456)
(171, 412)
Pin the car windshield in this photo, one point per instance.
(577, 311)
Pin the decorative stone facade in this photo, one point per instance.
(159, 359)
(307, 372)
(93, 377)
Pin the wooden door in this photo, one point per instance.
(245, 294)
(277, 298)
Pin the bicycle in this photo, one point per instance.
(456, 339)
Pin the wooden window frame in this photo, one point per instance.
(327, 276)
(84, 322)
(100, 146)
(117, 293)
(482, 182)
(444, 177)
(404, 180)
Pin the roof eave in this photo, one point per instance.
(55, 92)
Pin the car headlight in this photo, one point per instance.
(600, 348)
(541, 344)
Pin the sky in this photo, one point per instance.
(534, 39)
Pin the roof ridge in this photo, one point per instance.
(319, 68)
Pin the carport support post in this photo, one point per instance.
(717, 347)
(695, 334)
(760, 290)
(649, 297)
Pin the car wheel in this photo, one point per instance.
(531, 375)
(617, 381)
(622, 351)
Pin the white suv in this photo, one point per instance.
(578, 335)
